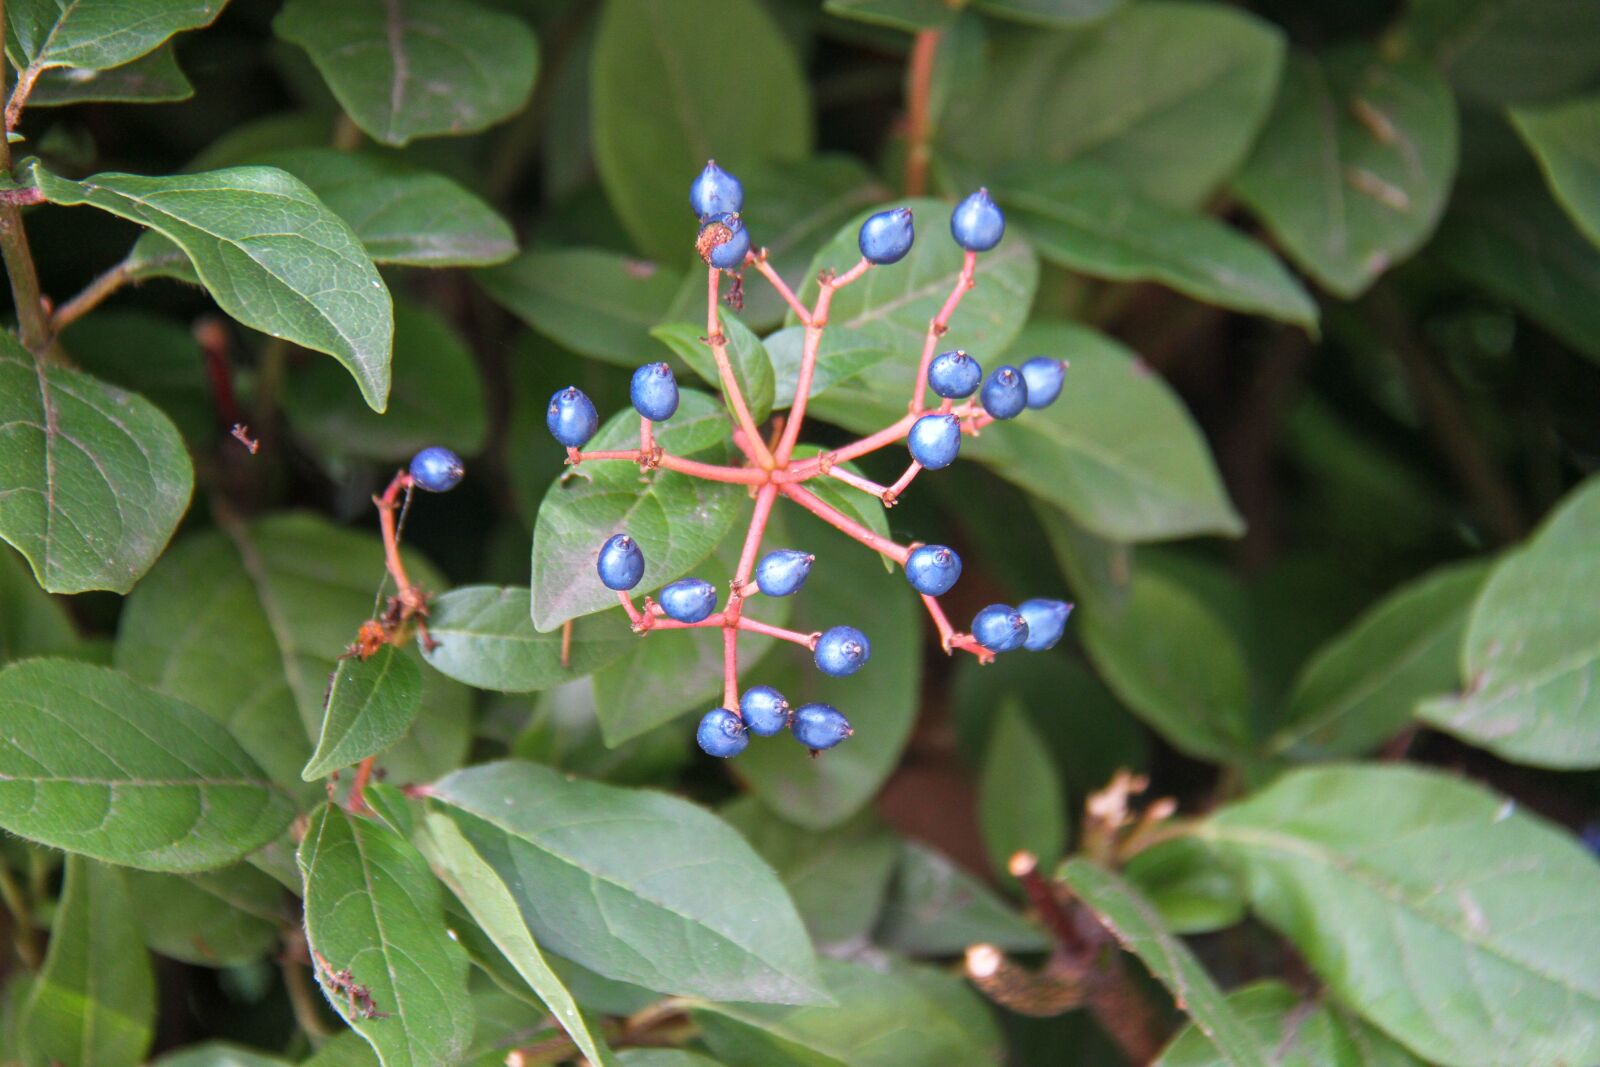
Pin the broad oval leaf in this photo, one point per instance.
(1021, 805)
(483, 636)
(1507, 51)
(154, 78)
(1184, 881)
(747, 357)
(841, 355)
(95, 763)
(1563, 136)
(216, 918)
(911, 15)
(1302, 1034)
(370, 706)
(154, 356)
(937, 909)
(32, 623)
(220, 1054)
(95, 34)
(1050, 14)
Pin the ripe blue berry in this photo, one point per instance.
(689, 600)
(721, 734)
(932, 569)
(724, 241)
(437, 469)
(1046, 620)
(621, 564)
(1005, 393)
(572, 418)
(886, 237)
(765, 710)
(783, 572)
(935, 440)
(1043, 375)
(1000, 628)
(819, 726)
(977, 223)
(715, 192)
(954, 374)
(842, 650)
(654, 392)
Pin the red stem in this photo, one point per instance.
(919, 91)
(759, 262)
(756, 626)
(939, 325)
(808, 357)
(840, 521)
(730, 670)
(730, 387)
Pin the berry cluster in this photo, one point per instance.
(933, 438)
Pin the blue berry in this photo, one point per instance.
(954, 374)
(1000, 628)
(721, 734)
(437, 469)
(572, 418)
(819, 726)
(765, 710)
(935, 440)
(689, 600)
(932, 569)
(654, 392)
(886, 237)
(783, 572)
(724, 241)
(1005, 393)
(621, 564)
(842, 650)
(1046, 620)
(715, 192)
(977, 223)
(1043, 375)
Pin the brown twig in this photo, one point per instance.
(919, 125)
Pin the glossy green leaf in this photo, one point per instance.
(910, 15)
(93, 1003)
(483, 637)
(371, 704)
(841, 355)
(96, 478)
(416, 68)
(95, 763)
(1183, 880)
(154, 78)
(373, 908)
(1563, 137)
(1354, 166)
(152, 355)
(579, 856)
(1507, 51)
(937, 909)
(1532, 651)
(665, 100)
(1444, 915)
(1021, 805)
(32, 623)
(752, 370)
(1301, 1033)
(214, 919)
(95, 34)
(1050, 14)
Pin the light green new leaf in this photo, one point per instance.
(1507, 51)
(616, 879)
(95, 34)
(416, 68)
(93, 762)
(155, 78)
(484, 637)
(1461, 926)
(373, 908)
(217, 918)
(1565, 137)
(752, 370)
(1354, 166)
(270, 253)
(94, 479)
(1302, 1033)
(1021, 805)
(371, 703)
(1531, 658)
(32, 623)
(93, 1003)
(937, 909)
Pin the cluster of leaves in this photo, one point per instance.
(1369, 261)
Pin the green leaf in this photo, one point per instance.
(484, 637)
(1433, 907)
(31, 622)
(1354, 166)
(1507, 50)
(1563, 137)
(218, 1054)
(416, 68)
(910, 15)
(154, 78)
(1184, 881)
(662, 1057)
(93, 1003)
(578, 855)
(371, 704)
(666, 99)
(1021, 804)
(752, 370)
(96, 478)
(151, 355)
(374, 909)
(270, 253)
(937, 909)
(95, 34)
(1532, 649)
(1364, 685)
(1087, 219)
(842, 355)
(1053, 97)
(93, 762)
(1139, 930)
(216, 919)
(1050, 14)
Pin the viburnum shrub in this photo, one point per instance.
(346, 720)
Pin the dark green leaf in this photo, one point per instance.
(1508, 50)
(156, 357)
(155, 78)
(1184, 881)
(218, 1054)
(484, 637)
(1302, 1033)
(937, 909)
(842, 354)
(215, 919)
(1049, 13)
(1563, 137)
(752, 370)
(371, 704)
(31, 622)
(1021, 805)
(911, 15)
(95, 34)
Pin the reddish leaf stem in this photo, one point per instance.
(919, 125)
(939, 325)
(730, 387)
(844, 523)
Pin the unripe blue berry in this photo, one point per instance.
(842, 650)
(1000, 628)
(715, 192)
(437, 469)
(819, 726)
(935, 440)
(1005, 393)
(1046, 621)
(765, 710)
(783, 572)
(954, 374)
(977, 223)
(1044, 375)
(621, 563)
(721, 734)
(654, 392)
(932, 569)
(572, 418)
(886, 237)
(689, 600)
(724, 241)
